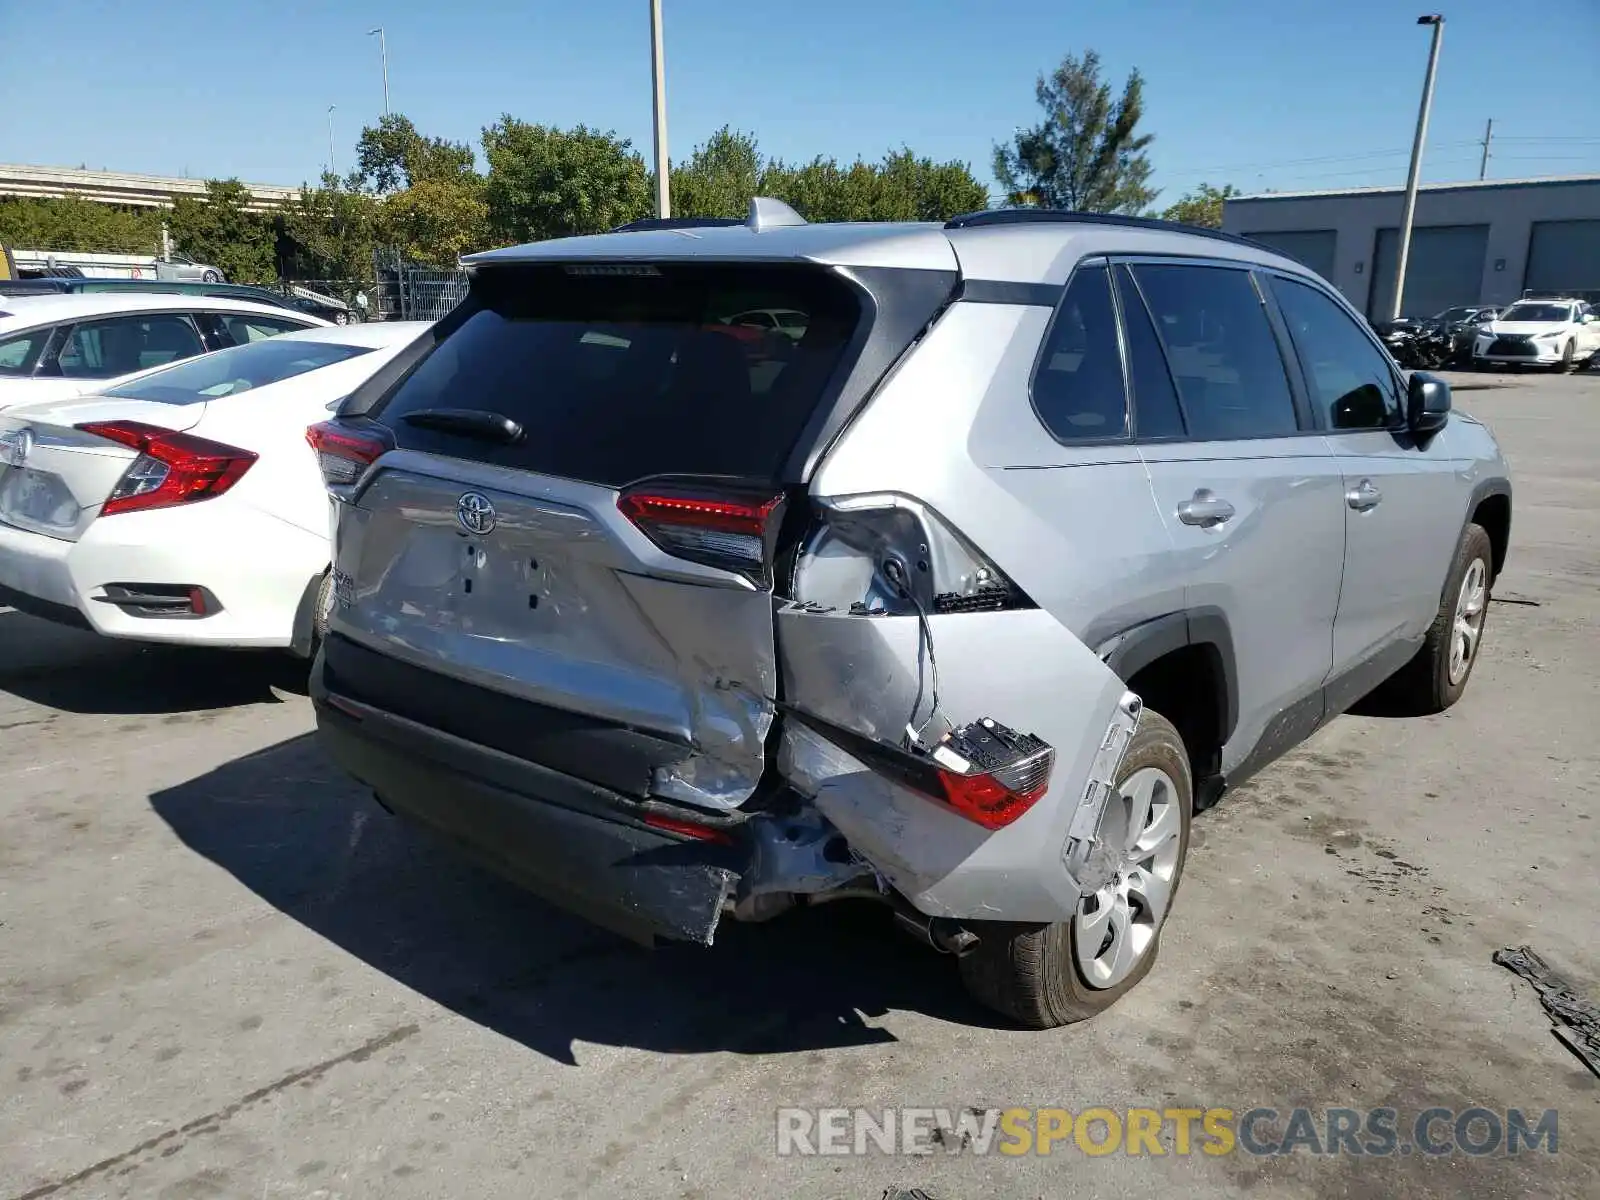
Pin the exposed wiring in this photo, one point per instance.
(895, 573)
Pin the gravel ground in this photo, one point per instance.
(224, 972)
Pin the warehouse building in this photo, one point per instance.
(1471, 243)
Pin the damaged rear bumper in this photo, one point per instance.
(576, 844)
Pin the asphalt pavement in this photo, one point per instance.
(225, 972)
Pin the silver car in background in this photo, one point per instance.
(1049, 528)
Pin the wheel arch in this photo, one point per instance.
(1183, 666)
(1490, 507)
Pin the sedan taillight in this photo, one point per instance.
(172, 468)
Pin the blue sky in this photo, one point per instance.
(1262, 95)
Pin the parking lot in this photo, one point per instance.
(224, 971)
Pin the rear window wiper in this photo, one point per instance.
(468, 422)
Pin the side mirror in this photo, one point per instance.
(1427, 404)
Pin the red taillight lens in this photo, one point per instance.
(735, 533)
(986, 800)
(344, 453)
(172, 468)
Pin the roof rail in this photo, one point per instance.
(1049, 216)
(643, 224)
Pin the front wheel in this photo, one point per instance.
(1047, 975)
(1435, 679)
(1568, 356)
(212, 277)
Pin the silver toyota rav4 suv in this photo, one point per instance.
(1043, 530)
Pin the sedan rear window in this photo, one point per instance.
(239, 369)
(619, 372)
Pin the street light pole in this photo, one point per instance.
(383, 49)
(333, 166)
(659, 71)
(1437, 21)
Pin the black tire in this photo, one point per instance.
(1423, 686)
(1029, 972)
(322, 611)
(211, 277)
(1568, 357)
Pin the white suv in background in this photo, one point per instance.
(1550, 333)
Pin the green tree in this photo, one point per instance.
(1087, 154)
(331, 229)
(719, 177)
(79, 226)
(219, 229)
(392, 155)
(435, 221)
(545, 182)
(1203, 206)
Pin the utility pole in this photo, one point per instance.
(383, 49)
(1488, 136)
(1437, 21)
(333, 166)
(659, 71)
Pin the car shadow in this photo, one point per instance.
(311, 842)
(80, 672)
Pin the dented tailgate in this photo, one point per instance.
(644, 673)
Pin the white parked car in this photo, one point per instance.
(1550, 333)
(53, 346)
(184, 504)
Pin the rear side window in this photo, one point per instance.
(1077, 386)
(254, 329)
(1222, 351)
(1155, 399)
(1349, 378)
(617, 376)
(240, 369)
(122, 345)
(19, 354)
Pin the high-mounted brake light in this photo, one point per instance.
(344, 453)
(735, 533)
(172, 468)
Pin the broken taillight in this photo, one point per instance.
(992, 774)
(172, 468)
(344, 452)
(734, 532)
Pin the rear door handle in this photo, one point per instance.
(1205, 510)
(1363, 496)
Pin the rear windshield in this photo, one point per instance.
(618, 376)
(239, 369)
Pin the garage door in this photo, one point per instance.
(1314, 247)
(1445, 268)
(1564, 256)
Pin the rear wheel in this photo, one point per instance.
(1047, 975)
(212, 277)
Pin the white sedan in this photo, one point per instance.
(184, 504)
(1549, 333)
(66, 345)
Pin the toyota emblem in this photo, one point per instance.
(476, 513)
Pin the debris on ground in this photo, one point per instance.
(1577, 1019)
